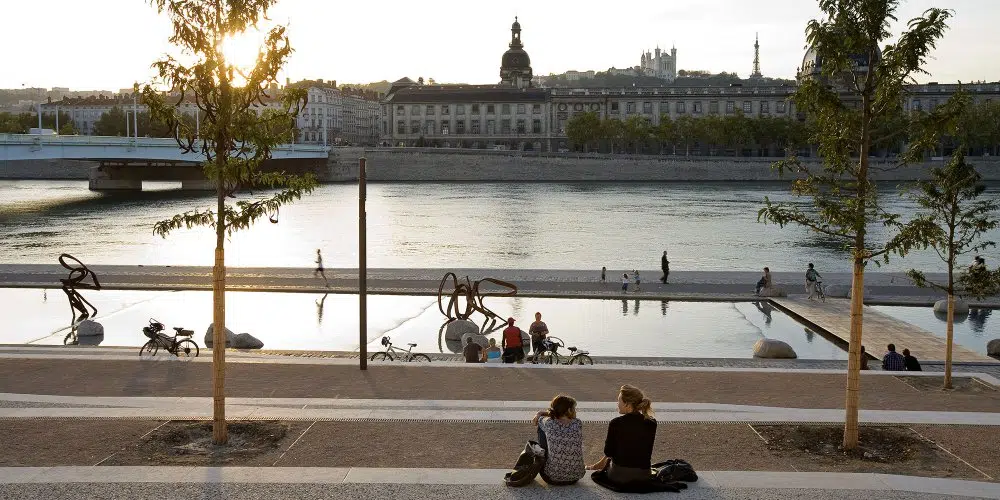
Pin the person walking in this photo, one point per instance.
(604, 274)
(319, 268)
(637, 282)
(665, 267)
(812, 278)
(624, 282)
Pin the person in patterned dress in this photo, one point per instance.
(561, 434)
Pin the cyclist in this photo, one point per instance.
(812, 281)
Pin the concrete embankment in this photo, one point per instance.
(880, 288)
(438, 165)
(457, 165)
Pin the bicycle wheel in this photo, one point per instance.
(581, 359)
(420, 357)
(380, 356)
(148, 349)
(549, 358)
(186, 348)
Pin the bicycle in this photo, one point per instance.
(820, 292)
(185, 347)
(406, 355)
(550, 356)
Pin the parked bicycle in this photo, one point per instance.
(392, 353)
(179, 345)
(550, 355)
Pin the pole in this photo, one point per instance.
(362, 266)
(57, 119)
(127, 133)
(39, 118)
(135, 117)
(197, 123)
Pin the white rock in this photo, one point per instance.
(456, 329)
(770, 348)
(993, 347)
(961, 307)
(89, 328)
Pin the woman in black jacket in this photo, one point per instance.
(628, 449)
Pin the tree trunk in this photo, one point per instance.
(219, 432)
(950, 339)
(854, 356)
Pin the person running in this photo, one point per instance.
(624, 282)
(513, 351)
(665, 267)
(893, 361)
(538, 330)
(812, 280)
(319, 268)
(910, 362)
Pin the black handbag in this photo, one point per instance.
(674, 470)
(528, 465)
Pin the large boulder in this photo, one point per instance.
(482, 340)
(961, 307)
(89, 328)
(458, 328)
(772, 291)
(993, 347)
(235, 341)
(773, 349)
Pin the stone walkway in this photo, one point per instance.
(834, 317)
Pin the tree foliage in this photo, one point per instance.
(21, 123)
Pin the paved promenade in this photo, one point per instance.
(450, 430)
(883, 288)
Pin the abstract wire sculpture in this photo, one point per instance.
(78, 272)
(473, 300)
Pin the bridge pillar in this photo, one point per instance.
(198, 185)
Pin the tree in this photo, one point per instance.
(235, 136)
(111, 123)
(687, 131)
(613, 130)
(858, 83)
(637, 131)
(952, 223)
(666, 132)
(583, 130)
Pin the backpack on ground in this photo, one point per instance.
(675, 470)
(528, 465)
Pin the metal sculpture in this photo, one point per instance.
(474, 297)
(78, 272)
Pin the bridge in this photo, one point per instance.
(127, 161)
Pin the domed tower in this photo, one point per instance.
(812, 64)
(515, 67)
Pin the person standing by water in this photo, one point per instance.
(812, 277)
(624, 282)
(604, 274)
(637, 282)
(319, 268)
(665, 267)
(538, 330)
(513, 350)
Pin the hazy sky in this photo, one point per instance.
(108, 44)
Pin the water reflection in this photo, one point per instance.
(972, 330)
(635, 311)
(978, 317)
(663, 308)
(810, 335)
(624, 307)
(319, 309)
(765, 308)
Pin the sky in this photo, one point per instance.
(109, 44)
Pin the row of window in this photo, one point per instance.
(681, 107)
(491, 109)
(475, 127)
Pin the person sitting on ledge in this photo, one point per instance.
(910, 362)
(764, 282)
(493, 353)
(473, 352)
(628, 449)
(561, 434)
(893, 361)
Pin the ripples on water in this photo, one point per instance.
(705, 226)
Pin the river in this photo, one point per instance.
(704, 226)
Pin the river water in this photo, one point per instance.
(704, 226)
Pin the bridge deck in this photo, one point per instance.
(834, 316)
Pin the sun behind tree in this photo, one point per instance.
(238, 129)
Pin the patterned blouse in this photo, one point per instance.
(565, 454)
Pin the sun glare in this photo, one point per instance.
(241, 49)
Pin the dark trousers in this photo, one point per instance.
(666, 274)
(544, 443)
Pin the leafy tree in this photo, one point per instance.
(637, 131)
(687, 132)
(111, 123)
(584, 130)
(613, 130)
(236, 137)
(21, 123)
(953, 221)
(666, 133)
(859, 83)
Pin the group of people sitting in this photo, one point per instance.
(894, 361)
(765, 285)
(511, 349)
(628, 448)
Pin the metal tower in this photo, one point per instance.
(756, 57)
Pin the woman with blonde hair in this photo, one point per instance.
(628, 449)
(561, 434)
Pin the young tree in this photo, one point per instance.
(613, 130)
(856, 82)
(637, 131)
(111, 123)
(953, 223)
(236, 137)
(583, 130)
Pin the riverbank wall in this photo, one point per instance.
(463, 165)
(438, 165)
